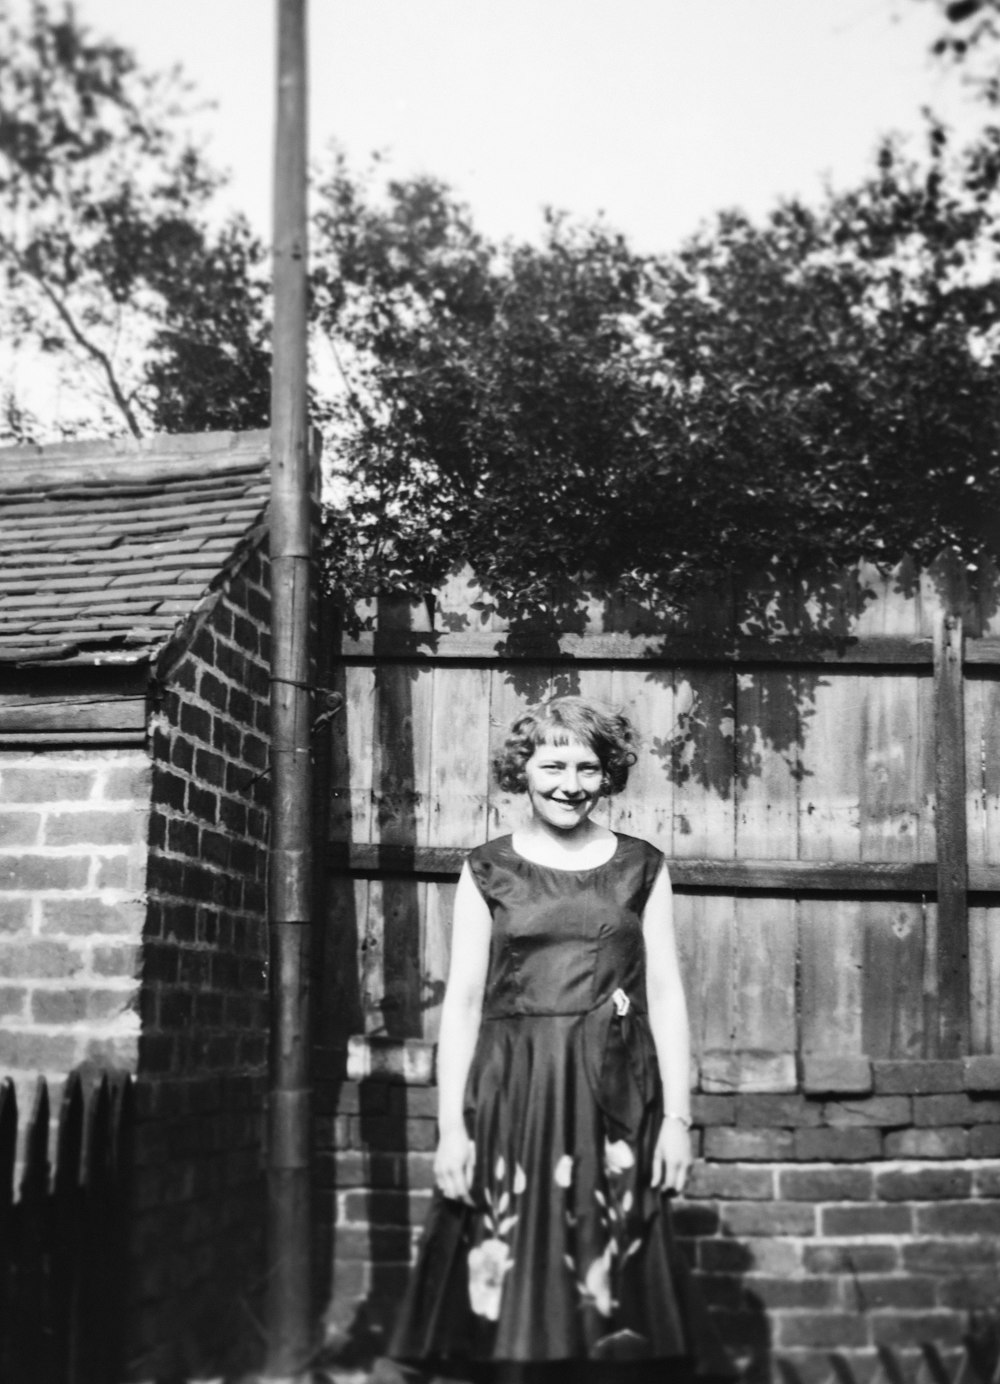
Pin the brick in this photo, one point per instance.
(829, 1075)
(19, 828)
(241, 706)
(918, 1078)
(748, 1145)
(927, 1143)
(196, 722)
(93, 828)
(777, 1257)
(713, 1110)
(944, 1256)
(826, 1330)
(984, 1142)
(838, 1145)
(959, 1218)
(768, 1218)
(37, 873)
(696, 1220)
(213, 691)
(15, 915)
(981, 1073)
(896, 1290)
(914, 1328)
(37, 1052)
(13, 1001)
(43, 782)
(970, 1292)
(182, 836)
(858, 1258)
(202, 803)
(128, 782)
(792, 1292)
(122, 872)
(83, 916)
(210, 767)
(72, 1006)
(730, 1180)
(169, 789)
(115, 961)
(885, 1111)
(922, 1184)
(813, 1367)
(987, 1181)
(771, 1111)
(825, 1184)
(182, 754)
(866, 1220)
(38, 960)
(959, 1108)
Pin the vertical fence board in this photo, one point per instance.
(984, 971)
(831, 933)
(704, 805)
(459, 769)
(767, 789)
(897, 768)
(951, 1035)
(765, 999)
(352, 742)
(893, 1023)
(646, 808)
(438, 911)
(830, 798)
(706, 928)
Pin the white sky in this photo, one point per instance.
(657, 112)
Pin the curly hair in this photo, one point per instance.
(609, 734)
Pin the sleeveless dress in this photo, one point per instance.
(567, 1253)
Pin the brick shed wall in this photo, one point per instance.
(203, 1051)
(818, 1223)
(73, 830)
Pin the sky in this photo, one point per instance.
(656, 113)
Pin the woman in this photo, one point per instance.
(564, 1110)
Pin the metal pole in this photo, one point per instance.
(289, 1287)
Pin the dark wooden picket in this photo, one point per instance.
(63, 1237)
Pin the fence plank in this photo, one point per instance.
(893, 1023)
(646, 808)
(984, 970)
(767, 755)
(352, 737)
(459, 764)
(831, 941)
(951, 1034)
(897, 768)
(706, 927)
(704, 804)
(830, 801)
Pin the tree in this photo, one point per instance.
(112, 267)
(575, 416)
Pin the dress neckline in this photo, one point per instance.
(566, 869)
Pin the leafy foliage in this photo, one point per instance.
(109, 260)
(575, 416)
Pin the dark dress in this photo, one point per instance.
(567, 1254)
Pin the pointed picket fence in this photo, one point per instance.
(63, 1234)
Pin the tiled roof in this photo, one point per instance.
(105, 548)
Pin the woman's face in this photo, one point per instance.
(564, 783)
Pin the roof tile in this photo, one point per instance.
(109, 547)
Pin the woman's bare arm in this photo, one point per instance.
(461, 1013)
(668, 1019)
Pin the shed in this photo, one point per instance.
(134, 633)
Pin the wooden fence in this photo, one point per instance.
(63, 1237)
(821, 766)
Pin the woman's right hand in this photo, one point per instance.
(454, 1162)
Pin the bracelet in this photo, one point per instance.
(685, 1120)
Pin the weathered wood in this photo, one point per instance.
(893, 970)
(458, 770)
(831, 952)
(984, 972)
(767, 876)
(70, 715)
(896, 765)
(830, 796)
(646, 808)
(766, 779)
(952, 1030)
(669, 650)
(701, 762)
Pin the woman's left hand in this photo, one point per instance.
(671, 1157)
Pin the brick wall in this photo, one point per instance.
(818, 1222)
(72, 874)
(203, 1049)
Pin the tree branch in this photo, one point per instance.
(91, 348)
